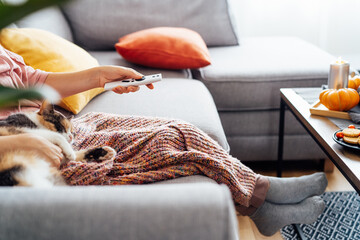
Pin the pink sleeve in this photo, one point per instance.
(15, 73)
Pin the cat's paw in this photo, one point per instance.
(100, 154)
(70, 155)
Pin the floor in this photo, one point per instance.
(336, 182)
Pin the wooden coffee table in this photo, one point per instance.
(321, 129)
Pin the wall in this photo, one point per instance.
(333, 25)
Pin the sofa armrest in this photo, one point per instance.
(179, 211)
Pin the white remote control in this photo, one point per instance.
(134, 82)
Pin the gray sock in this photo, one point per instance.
(270, 218)
(295, 189)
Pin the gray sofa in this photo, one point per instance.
(194, 207)
(243, 79)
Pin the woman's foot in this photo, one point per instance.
(270, 218)
(295, 189)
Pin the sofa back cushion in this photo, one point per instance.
(49, 19)
(97, 25)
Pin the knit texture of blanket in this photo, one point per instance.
(154, 149)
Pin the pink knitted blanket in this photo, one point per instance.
(154, 149)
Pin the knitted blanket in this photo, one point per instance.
(154, 149)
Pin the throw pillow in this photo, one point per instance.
(49, 52)
(165, 47)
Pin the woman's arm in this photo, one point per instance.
(31, 142)
(71, 83)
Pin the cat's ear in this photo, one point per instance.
(46, 107)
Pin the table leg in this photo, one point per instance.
(281, 138)
(299, 231)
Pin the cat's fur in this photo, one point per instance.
(26, 167)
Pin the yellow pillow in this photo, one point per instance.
(49, 52)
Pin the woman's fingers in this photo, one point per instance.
(56, 160)
(121, 90)
(51, 152)
(55, 155)
(133, 88)
(150, 86)
(129, 73)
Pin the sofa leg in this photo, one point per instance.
(328, 166)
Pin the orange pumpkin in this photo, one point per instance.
(354, 82)
(342, 99)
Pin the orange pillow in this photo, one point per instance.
(165, 47)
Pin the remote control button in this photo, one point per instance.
(140, 79)
(125, 81)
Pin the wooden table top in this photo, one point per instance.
(322, 130)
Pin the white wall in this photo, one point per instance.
(333, 25)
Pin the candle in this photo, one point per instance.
(339, 74)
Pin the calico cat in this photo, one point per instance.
(27, 168)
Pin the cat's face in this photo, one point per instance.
(55, 121)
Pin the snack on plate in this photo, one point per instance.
(351, 140)
(350, 135)
(351, 132)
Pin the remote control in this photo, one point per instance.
(134, 82)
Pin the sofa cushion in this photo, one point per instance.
(249, 131)
(257, 123)
(165, 47)
(97, 25)
(50, 19)
(199, 211)
(184, 99)
(113, 58)
(264, 148)
(252, 74)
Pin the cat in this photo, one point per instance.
(27, 168)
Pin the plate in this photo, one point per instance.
(342, 143)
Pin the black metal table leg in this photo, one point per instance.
(299, 231)
(281, 138)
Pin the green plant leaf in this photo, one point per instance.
(11, 96)
(11, 13)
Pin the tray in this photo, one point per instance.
(318, 109)
(342, 143)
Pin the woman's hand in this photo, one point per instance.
(31, 142)
(51, 152)
(71, 83)
(116, 73)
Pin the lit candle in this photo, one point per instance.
(339, 74)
